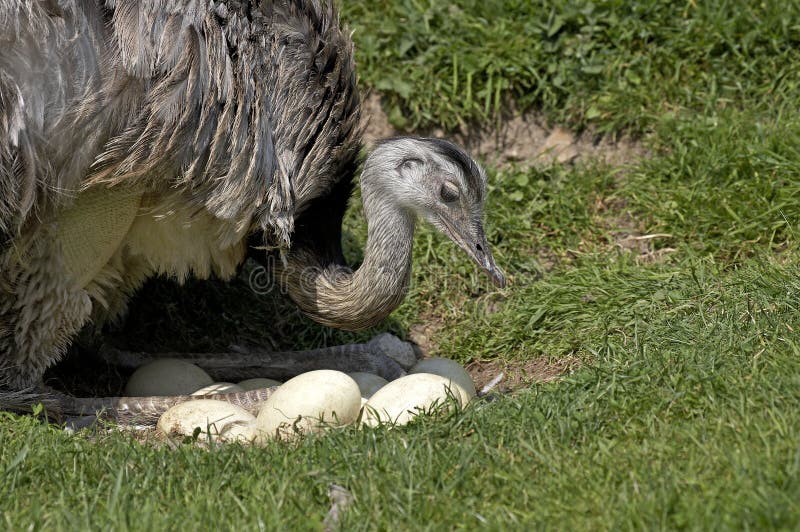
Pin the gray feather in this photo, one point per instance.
(246, 110)
(226, 100)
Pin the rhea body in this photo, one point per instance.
(139, 138)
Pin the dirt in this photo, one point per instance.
(519, 374)
(516, 374)
(423, 333)
(628, 236)
(524, 139)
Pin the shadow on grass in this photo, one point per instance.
(198, 316)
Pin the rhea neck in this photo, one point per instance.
(335, 295)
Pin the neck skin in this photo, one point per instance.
(334, 295)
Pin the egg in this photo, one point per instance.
(451, 370)
(167, 376)
(219, 419)
(219, 388)
(257, 384)
(368, 383)
(309, 402)
(403, 399)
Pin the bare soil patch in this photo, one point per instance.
(423, 333)
(628, 235)
(523, 139)
(520, 374)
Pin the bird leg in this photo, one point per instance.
(385, 355)
(123, 408)
(18, 397)
(142, 411)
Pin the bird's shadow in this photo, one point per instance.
(198, 316)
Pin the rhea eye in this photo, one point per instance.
(449, 192)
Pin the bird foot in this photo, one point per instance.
(405, 354)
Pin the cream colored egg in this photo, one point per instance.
(219, 419)
(450, 369)
(167, 376)
(403, 399)
(368, 383)
(257, 384)
(309, 402)
(219, 388)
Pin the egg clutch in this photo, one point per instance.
(309, 403)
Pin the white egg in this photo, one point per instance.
(368, 383)
(450, 369)
(403, 399)
(219, 388)
(167, 376)
(219, 419)
(257, 384)
(309, 402)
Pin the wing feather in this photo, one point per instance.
(49, 60)
(251, 110)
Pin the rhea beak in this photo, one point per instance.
(477, 248)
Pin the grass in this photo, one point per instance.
(683, 412)
(613, 63)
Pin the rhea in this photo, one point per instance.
(143, 138)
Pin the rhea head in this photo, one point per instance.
(437, 181)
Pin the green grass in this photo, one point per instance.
(683, 411)
(686, 416)
(612, 63)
